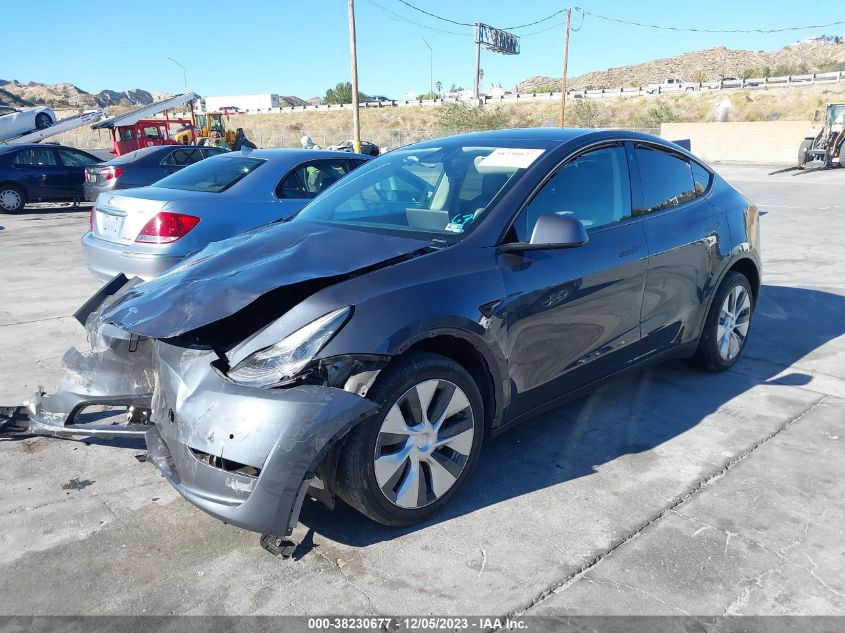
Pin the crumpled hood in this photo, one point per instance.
(227, 276)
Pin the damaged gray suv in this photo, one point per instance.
(364, 349)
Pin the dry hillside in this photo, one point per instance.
(68, 95)
(814, 55)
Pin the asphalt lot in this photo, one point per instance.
(670, 491)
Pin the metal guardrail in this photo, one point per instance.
(600, 93)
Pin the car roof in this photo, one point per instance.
(291, 155)
(9, 148)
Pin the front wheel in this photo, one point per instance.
(43, 121)
(405, 464)
(726, 328)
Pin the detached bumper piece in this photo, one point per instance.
(117, 372)
(57, 415)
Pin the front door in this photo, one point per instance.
(573, 314)
(40, 172)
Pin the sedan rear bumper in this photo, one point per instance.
(106, 259)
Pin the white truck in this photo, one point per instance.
(671, 85)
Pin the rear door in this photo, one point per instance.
(685, 235)
(74, 163)
(574, 314)
(41, 173)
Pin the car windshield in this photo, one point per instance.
(212, 175)
(435, 193)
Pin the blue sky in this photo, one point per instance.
(301, 47)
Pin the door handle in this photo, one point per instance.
(629, 251)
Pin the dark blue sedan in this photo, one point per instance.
(41, 173)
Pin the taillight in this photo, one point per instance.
(166, 227)
(109, 173)
(91, 217)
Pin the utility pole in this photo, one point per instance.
(477, 60)
(356, 115)
(565, 63)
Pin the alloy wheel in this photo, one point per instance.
(734, 319)
(424, 443)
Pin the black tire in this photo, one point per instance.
(356, 478)
(806, 144)
(43, 121)
(707, 354)
(12, 198)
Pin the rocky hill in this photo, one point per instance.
(67, 95)
(811, 55)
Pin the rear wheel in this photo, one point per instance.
(12, 199)
(726, 328)
(403, 465)
(43, 120)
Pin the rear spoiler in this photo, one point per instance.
(684, 142)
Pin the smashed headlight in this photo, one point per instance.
(270, 366)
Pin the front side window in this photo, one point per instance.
(311, 179)
(666, 178)
(35, 156)
(152, 134)
(213, 175)
(594, 188)
(4, 111)
(435, 193)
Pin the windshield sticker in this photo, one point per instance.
(453, 227)
(511, 158)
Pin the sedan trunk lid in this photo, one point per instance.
(119, 217)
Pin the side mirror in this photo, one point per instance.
(552, 231)
(816, 115)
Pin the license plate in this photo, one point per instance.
(110, 224)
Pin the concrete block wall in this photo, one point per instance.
(745, 141)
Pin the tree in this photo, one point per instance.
(342, 93)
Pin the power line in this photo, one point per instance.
(701, 30)
(621, 21)
(397, 17)
(434, 15)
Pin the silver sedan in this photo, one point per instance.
(143, 232)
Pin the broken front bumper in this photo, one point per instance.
(245, 455)
(117, 372)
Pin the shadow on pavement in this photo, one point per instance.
(633, 414)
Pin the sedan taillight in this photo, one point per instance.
(91, 217)
(167, 227)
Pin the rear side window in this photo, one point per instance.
(183, 157)
(666, 178)
(73, 158)
(593, 188)
(212, 176)
(35, 156)
(311, 179)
